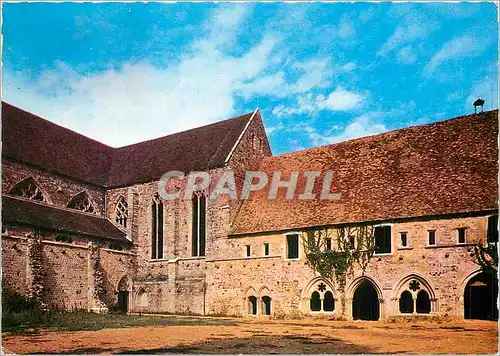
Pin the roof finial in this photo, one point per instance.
(478, 102)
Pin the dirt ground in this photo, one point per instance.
(267, 336)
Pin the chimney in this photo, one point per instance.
(478, 102)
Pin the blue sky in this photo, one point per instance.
(319, 72)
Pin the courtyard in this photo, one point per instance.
(207, 335)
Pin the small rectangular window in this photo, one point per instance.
(248, 250)
(492, 234)
(328, 244)
(461, 235)
(432, 237)
(266, 249)
(352, 242)
(292, 246)
(404, 239)
(382, 239)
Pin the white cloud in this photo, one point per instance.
(138, 100)
(406, 55)
(367, 124)
(457, 48)
(314, 73)
(405, 34)
(345, 29)
(108, 105)
(338, 100)
(341, 100)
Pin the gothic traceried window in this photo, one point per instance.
(28, 189)
(82, 202)
(121, 212)
(199, 214)
(156, 228)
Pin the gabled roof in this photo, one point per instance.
(31, 139)
(440, 168)
(197, 149)
(39, 215)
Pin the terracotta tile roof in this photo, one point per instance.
(440, 168)
(197, 149)
(33, 140)
(23, 212)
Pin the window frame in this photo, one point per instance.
(492, 236)
(328, 244)
(267, 249)
(464, 230)
(248, 251)
(287, 235)
(197, 247)
(405, 233)
(157, 229)
(433, 231)
(375, 253)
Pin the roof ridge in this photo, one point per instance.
(370, 137)
(183, 131)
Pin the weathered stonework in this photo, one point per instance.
(99, 272)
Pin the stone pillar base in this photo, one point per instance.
(99, 310)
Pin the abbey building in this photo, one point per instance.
(108, 241)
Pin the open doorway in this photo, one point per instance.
(365, 303)
(480, 297)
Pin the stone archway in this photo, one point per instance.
(318, 297)
(480, 297)
(250, 302)
(365, 302)
(124, 288)
(414, 295)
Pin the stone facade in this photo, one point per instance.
(225, 281)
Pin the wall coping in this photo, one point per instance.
(119, 252)
(450, 246)
(13, 237)
(65, 244)
(244, 258)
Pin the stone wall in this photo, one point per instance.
(66, 268)
(443, 268)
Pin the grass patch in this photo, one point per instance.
(20, 315)
(60, 320)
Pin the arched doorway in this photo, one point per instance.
(480, 297)
(123, 289)
(365, 303)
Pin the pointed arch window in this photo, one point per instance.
(156, 228)
(27, 188)
(82, 202)
(121, 214)
(199, 207)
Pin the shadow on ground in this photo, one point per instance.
(257, 344)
